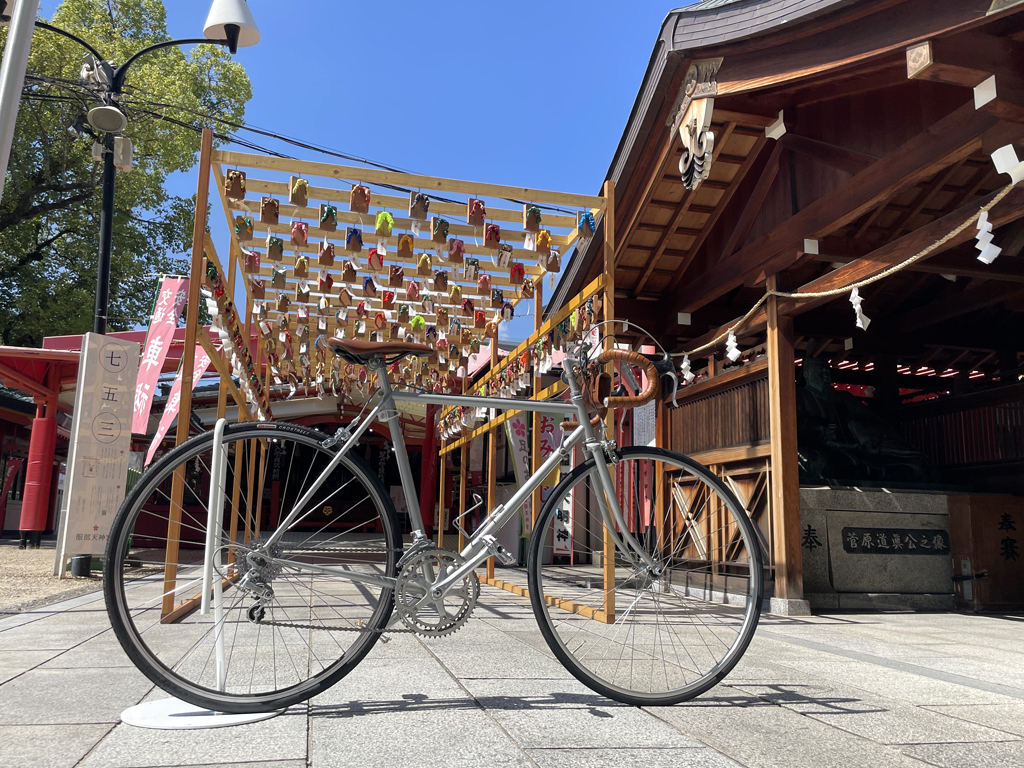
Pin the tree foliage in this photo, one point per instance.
(49, 215)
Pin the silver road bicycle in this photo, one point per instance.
(285, 560)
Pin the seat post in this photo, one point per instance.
(390, 414)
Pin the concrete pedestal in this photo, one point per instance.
(872, 549)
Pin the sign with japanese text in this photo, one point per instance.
(166, 312)
(519, 441)
(202, 363)
(100, 444)
(895, 541)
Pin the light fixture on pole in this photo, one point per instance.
(107, 119)
(231, 20)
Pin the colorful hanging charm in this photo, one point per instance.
(234, 185)
(354, 240)
(298, 191)
(300, 234)
(475, 212)
(531, 218)
(385, 222)
(244, 228)
(587, 227)
(270, 211)
(328, 217)
(359, 199)
(419, 206)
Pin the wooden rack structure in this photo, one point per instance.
(560, 217)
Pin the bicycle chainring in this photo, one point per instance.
(423, 614)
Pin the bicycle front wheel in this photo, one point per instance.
(641, 635)
(288, 625)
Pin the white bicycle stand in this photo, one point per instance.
(177, 715)
(174, 714)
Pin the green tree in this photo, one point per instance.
(49, 215)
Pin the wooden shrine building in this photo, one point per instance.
(805, 147)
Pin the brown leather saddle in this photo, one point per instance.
(360, 352)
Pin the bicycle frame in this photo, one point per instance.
(479, 546)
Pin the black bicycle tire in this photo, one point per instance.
(156, 671)
(551, 636)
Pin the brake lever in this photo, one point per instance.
(666, 367)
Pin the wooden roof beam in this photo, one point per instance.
(1009, 209)
(949, 140)
(841, 158)
(677, 216)
(948, 308)
(667, 153)
(924, 197)
(754, 202)
(965, 59)
(723, 203)
(1003, 270)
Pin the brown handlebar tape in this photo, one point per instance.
(634, 401)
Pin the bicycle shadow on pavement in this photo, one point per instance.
(595, 705)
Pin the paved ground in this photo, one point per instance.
(849, 690)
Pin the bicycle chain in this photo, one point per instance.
(367, 630)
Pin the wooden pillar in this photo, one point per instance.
(428, 469)
(442, 496)
(789, 583)
(661, 415)
(492, 460)
(187, 369)
(222, 409)
(464, 460)
(535, 500)
(608, 558)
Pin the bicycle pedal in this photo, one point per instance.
(501, 554)
(505, 557)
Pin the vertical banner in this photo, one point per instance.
(100, 443)
(202, 362)
(166, 312)
(561, 544)
(475, 475)
(519, 441)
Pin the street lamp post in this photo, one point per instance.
(229, 23)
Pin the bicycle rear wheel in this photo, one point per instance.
(655, 636)
(311, 629)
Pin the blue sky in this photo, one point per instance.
(528, 93)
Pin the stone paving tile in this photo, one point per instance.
(48, 635)
(510, 660)
(47, 746)
(999, 755)
(281, 738)
(1002, 674)
(910, 725)
(903, 686)
(14, 663)
(630, 758)
(393, 684)
(1004, 717)
(431, 738)
(88, 695)
(757, 734)
(564, 714)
